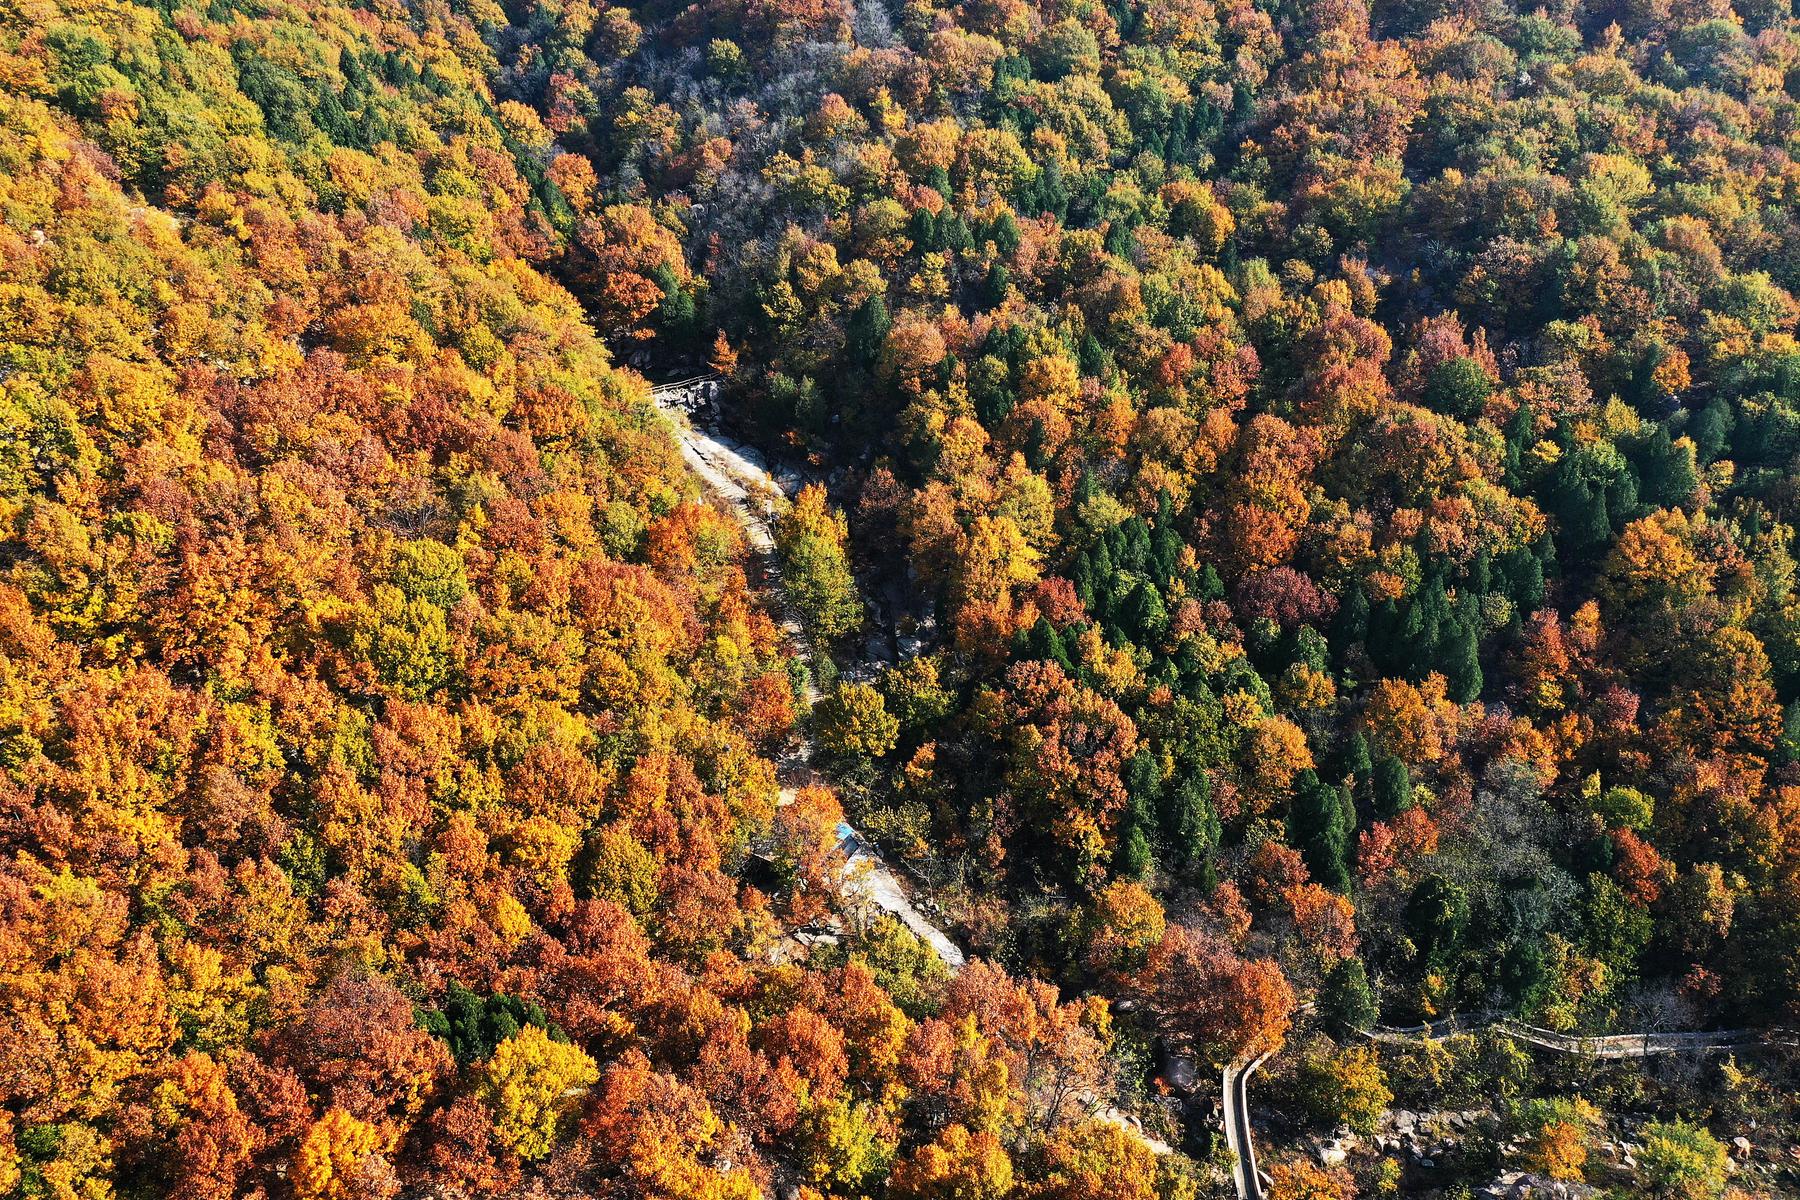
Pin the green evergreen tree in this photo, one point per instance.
(994, 287)
(1144, 616)
(1667, 474)
(1190, 822)
(866, 332)
(1318, 827)
(1458, 387)
(1043, 642)
(1462, 661)
(1521, 434)
(1351, 626)
(1005, 232)
(1134, 855)
(1391, 787)
(1711, 430)
(1345, 999)
(1581, 512)
(1143, 780)
(1437, 916)
(1524, 971)
(1524, 573)
(1788, 745)
(1358, 765)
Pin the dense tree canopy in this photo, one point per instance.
(1329, 468)
(1354, 429)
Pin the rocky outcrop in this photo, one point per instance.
(1522, 1185)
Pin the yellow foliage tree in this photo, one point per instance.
(531, 1083)
(1558, 1131)
(1303, 1181)
(958, 1166)
(333, 1157)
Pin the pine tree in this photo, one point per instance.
(1437, 914)
(1391, 787)
(1462, 661)
(1352, 624)
(1044, 642)
(1005, 232)
(1712, 430)
(994, 288)
(954, 232)
(1423, 634)
(1082, 575)
(1104, 573)
(1788, 745)
(1667, 474)
(1092, 356)
(1145, 618)
(1318, 828)
(1580, 508)
(1345, 998)
(1357, 763)
(1190, 823)
(1134, 856)
(867, 331)
(1143, 781)
(1458, 387)
(1521, 434)
(1524, 573)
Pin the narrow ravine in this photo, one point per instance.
(754, 496)
(735, 477)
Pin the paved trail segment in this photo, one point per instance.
(1250, 1182)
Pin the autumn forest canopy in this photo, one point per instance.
(1293, 533)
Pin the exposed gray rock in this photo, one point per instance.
(1518, 1185)
(1181, 1074)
